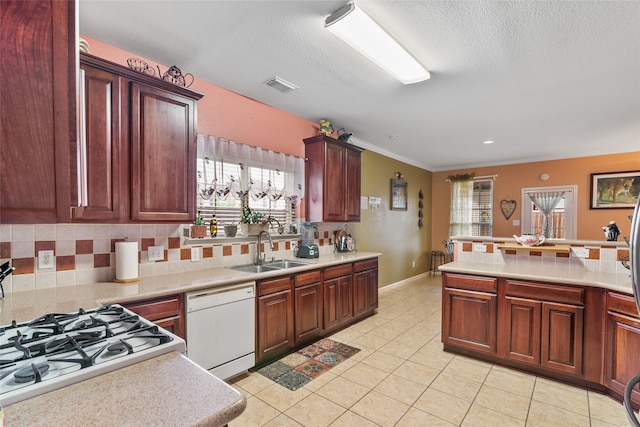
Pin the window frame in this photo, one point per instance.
(570, 209)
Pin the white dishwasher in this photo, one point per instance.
(221, 329)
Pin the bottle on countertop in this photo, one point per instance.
(213, 226)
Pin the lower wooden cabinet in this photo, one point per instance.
(274, 317)
(338, 296)
(166, 312)
(296, 309)
(622, 358)
(308, 306)
(542, 325)
(470, 312)
(579, 334)
(365, 286)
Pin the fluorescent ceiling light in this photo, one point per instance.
(361, 32)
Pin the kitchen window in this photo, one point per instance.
(561, 218)
(232, 176)
(471, 211)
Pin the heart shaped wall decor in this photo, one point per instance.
(507, 206)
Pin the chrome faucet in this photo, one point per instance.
(260, 259)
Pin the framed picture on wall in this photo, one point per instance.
(614, 190)
(398, 195)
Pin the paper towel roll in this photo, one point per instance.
(126, 261)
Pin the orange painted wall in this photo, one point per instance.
(228, 115)
(512, 178)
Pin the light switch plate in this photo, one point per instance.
(195, 254)
(580, 252)
(156, 253)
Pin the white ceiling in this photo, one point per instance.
(544, 79)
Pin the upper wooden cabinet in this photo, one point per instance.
(332, 174)
(138, 152)
(37, 112)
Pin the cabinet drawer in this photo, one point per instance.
(539, 291)
(623, 304)
(472, 283)
(274, 285)
(337, 271)
(368, 264)
(157, 308)
(307, 277)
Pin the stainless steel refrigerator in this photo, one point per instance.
(634, 261)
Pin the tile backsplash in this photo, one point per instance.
(85, 253)
(602, 256)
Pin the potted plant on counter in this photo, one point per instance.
(253, 222)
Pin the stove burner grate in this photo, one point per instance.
(32, 373)
(120, 347)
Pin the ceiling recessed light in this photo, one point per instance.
(281, 84)
(488, 142)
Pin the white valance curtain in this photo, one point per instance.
(231, 163)
(461, 214)
(546, 203)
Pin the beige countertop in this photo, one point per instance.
(27, 305)
(168, 390)
(611, 281)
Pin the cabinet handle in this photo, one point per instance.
(82, 143)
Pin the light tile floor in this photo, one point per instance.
(401, 377)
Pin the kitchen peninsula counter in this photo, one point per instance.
(574, 325)
(166, 390)
(26, 305)
(619, 282)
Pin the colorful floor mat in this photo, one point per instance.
(299, 368)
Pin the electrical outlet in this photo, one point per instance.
(580, 252)
(156, 253)
(195, 254)
(413, 264)
(186, 232)
(46, 260)
(479, 247)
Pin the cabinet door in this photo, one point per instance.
(469, 319)
(172, 324)
(562, 334)
(163, 155)
(338, 301)
(522, 330)
(275, 325)
(331, 310)
(352, 185)
(335, 179)
(308, 312)
(365, 292)
(101, 153)
(37, 112)
(345, 299)
(166, 312)
(372, 289)
(622, 354)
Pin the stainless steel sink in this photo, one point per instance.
(252, 268)
(286, 263)
(271, 266)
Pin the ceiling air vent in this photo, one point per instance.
(281, 84)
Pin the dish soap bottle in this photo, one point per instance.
(213, 226)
